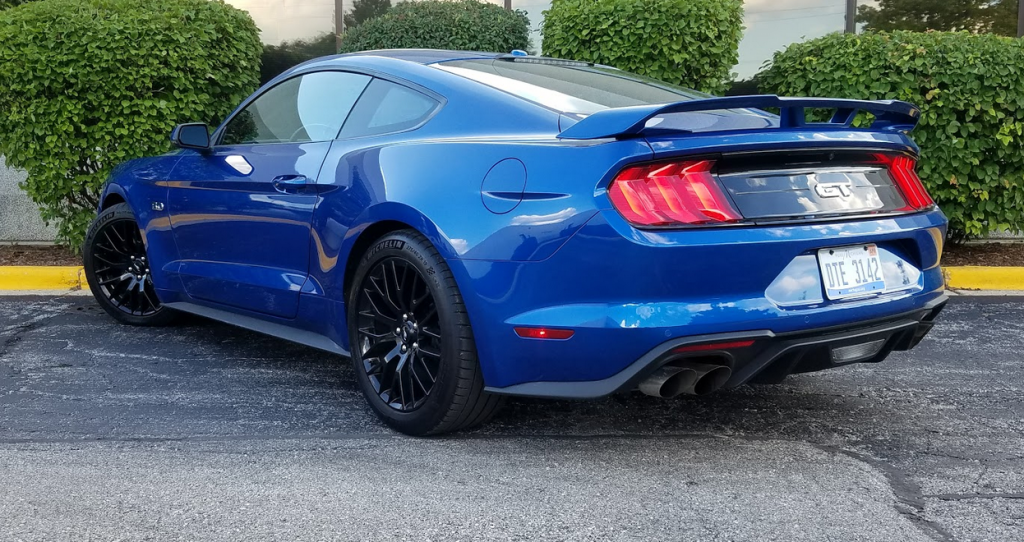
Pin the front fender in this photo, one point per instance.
(142, 183)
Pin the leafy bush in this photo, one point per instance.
(87, 84)
(4, 4)
(466, 25)
(277, 59)
(692, 43)
(970, 89)
(996, 16)
(364, 10)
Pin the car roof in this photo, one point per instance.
(424, 56)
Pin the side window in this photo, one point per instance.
(310, 107)
(386, 107)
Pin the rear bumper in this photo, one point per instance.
(625, 291)
(770, 356)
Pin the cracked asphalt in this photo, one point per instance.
(206, 432)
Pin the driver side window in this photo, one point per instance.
(303, 109)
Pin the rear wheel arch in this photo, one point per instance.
(113, 198)
(364, 242)
(377, 230)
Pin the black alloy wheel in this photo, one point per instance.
(118, 270)
(412, 344)
(399, 334)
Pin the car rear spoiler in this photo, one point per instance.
(890, 115)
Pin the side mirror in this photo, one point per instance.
(194, 135)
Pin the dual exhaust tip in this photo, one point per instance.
(687, 379)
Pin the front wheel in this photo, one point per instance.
(412, 345)
(117, 269)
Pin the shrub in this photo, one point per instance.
(970, 89)
(364, 10)
(4, 4)
(692, 43)
(277, 59)
(465, 25)
(87, 84)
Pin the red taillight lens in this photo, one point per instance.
(543, 333)
(673, 193)
(901, 168)
(713, 346)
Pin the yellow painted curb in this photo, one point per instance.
(41, 278)
(73, 278)
(984, 278)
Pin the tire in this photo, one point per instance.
(117, 269)
(419, 373)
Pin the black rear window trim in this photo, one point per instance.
(571, 114)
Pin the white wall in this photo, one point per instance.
(19, 217)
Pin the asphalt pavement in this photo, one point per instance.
(206, 432)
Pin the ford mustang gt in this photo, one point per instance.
(468, 226)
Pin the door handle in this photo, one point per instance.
(290, 184)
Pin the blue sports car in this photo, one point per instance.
(468, 226)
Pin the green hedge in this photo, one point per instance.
(465, 25)
(4, 4)
(692, 43)
(87, 84)
(971, 92)
(277, 59)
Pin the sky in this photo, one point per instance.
(770, 24)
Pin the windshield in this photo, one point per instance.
(569, 87)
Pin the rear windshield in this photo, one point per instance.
(569, 87)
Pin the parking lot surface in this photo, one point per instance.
(206, 432)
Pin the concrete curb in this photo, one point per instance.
(14, 278)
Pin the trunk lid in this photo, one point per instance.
(808, 184)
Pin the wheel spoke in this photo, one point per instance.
(383, 348)
(113, 245)
(377, 313)
(431, 313)
(106, 261)
(383, 292)
(369, 332)
(120, 278)
(415, 303)
(401, 387)
(119, 236)
(145, 293)
(412, 369)
(430, 353)
(397, 288)
(133, 298)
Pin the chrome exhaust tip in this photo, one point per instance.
(668, 382)
(709, 378)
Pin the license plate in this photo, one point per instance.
(851, 271)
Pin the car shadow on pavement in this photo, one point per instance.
(813, 406)
(203, 378)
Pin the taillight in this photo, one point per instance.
(671, 193)
(901, 169)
